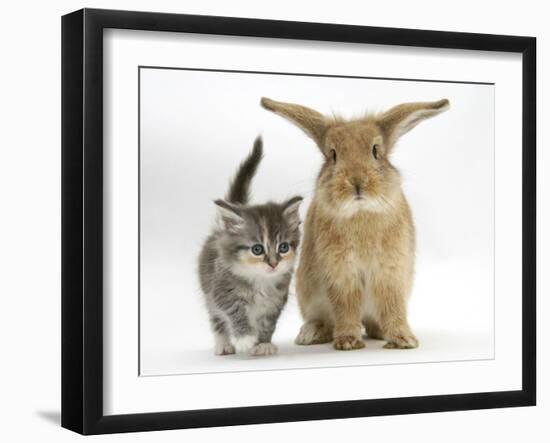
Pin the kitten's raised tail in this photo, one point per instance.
(239, 188)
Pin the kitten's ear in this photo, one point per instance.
(230, 215)
(291, 210)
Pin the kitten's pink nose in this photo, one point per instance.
(272, 264)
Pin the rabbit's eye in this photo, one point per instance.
(333, 152)
(375, 151)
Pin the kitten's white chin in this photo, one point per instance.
(273, 272)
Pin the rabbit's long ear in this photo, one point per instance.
(311, 122)
(402, 118)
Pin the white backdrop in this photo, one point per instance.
(197, 126)
(30, 234)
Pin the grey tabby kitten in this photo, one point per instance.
(246, 265)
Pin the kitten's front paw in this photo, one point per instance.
(244, 343)
(348, 342)
(224, 349)
(263, 349)
(402, 341)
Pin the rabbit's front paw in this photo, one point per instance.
(313, 333)
(402, 341)
(348, 342)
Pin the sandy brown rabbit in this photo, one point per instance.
(357, 260)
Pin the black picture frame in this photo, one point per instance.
(82, 220)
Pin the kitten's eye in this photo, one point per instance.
(284, 248)
(375, 151)
(257, 249)
(333, 152)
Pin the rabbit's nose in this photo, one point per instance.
(357, 185)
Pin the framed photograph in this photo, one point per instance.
(269, 221)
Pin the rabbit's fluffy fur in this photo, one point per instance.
(357, 260)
